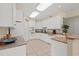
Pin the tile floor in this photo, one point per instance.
(38, 47)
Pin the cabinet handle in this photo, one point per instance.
(18, 21)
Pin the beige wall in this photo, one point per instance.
(73, 22)
(3, 31)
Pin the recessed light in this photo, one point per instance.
(34, 14)
(43, 6)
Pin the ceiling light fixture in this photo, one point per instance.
(43, 6)
(34, 14)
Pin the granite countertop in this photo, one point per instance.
(73, 36)
(62, 38)
(58, 37)
(19, 42)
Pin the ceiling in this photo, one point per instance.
(55, 8)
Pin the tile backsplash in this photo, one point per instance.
(3, 31)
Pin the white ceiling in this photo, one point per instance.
(52, 10)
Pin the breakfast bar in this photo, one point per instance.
(72, 42)
(18, 48)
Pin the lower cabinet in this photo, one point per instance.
(15, 51)
(75, 47)
(58, 48)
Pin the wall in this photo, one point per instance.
(72, 13)
(3, 31)
(73, 22)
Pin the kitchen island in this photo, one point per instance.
(72, 42)
(14, 49)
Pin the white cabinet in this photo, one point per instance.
(55, 22)
(38, 25)
(19, 15)
(16, 51)
(20, 24)
(59, 49)
(75, 48)
(31, 23)
(6, 15)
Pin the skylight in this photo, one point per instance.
(34, 14)
(43, 6)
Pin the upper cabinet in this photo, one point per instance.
(6, 15)
(54, 22)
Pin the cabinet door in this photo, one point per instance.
(5, 14)
(58, 49)
(75, 48)
(16, 51)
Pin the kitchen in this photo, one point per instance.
(45, 28)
